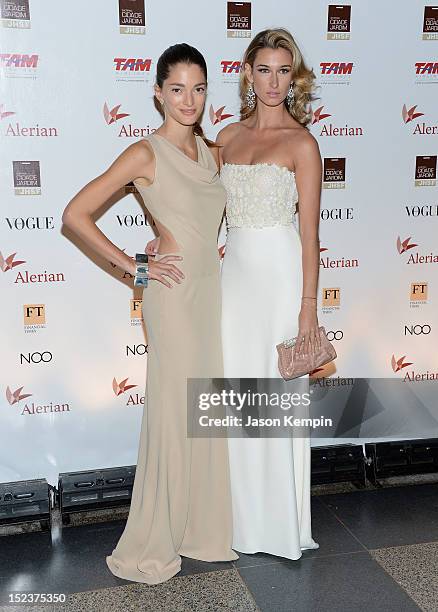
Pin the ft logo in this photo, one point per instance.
(418, 294)
(136, 312)
(331, 299)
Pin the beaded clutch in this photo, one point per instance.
(292, 366)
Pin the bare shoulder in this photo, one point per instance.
(228, 132)
(138, 160)
(305, 146)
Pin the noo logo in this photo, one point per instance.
(36, 357)
(417, 330)
(335, 335)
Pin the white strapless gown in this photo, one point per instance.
(261, 299)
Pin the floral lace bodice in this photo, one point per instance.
(259, 195)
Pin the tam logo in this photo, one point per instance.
(132, 64)
(231, 66)
(338, 68)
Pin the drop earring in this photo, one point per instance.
(290, 98)
(250, 97)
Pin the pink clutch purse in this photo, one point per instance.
(292, 366)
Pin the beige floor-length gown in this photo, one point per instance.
(181, 501)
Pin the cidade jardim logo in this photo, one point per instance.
(122, 387)
(430, 23)
(239, 19)
(15, 14)
(415, 258)
(425, 170)
(338, 22)
(343, 262)
(132, 17)
(334, 130)
(217, 116)
(421, 128)
(334, 173)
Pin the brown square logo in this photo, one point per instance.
(132, 17)
(331, 296)
(418, 292)
(136, 312)
(338, 22)
(430, 23)
(334, 173)
(27, 177)
(17, 10)
(239, 19)
(34, 314)
(425, 170)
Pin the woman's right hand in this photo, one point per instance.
(152, 247)
(161, 268)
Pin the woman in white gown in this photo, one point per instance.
(269, 281)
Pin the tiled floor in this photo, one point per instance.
(378, 551)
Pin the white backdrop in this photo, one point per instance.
(77, 88)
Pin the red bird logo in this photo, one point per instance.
(113, 115)
(14, 397)
(121, 387)
(4, 114)
(410, 115)
(404, 246)
(318, 115)
(9, 263)
(397, 364)
(218, 116)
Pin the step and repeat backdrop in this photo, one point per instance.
(76, 88)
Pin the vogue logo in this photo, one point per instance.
(218, 116)
(138, 220)
(132, 17)
(426, 210)
(239, 19)
(338, 22)
(30, 223)
(414, 258)
(326, 262)
(336, 214)
(332, 130)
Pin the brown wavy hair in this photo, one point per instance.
(303, 78)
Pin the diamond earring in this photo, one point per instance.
(290, 96)
(250, 97)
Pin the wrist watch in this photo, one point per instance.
(142, 270)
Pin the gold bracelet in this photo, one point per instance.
(307, 297)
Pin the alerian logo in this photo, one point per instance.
(121, 387)
(399, 364)
(318, 115)
(415, 258)
(404, 246)
(410, 115)
(334, 130)
(4, 114)
(14, 397)
(9, 263)
(218, 116)
(113, 115)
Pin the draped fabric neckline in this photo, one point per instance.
(205, 165)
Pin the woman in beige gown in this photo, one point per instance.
(181, 503)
